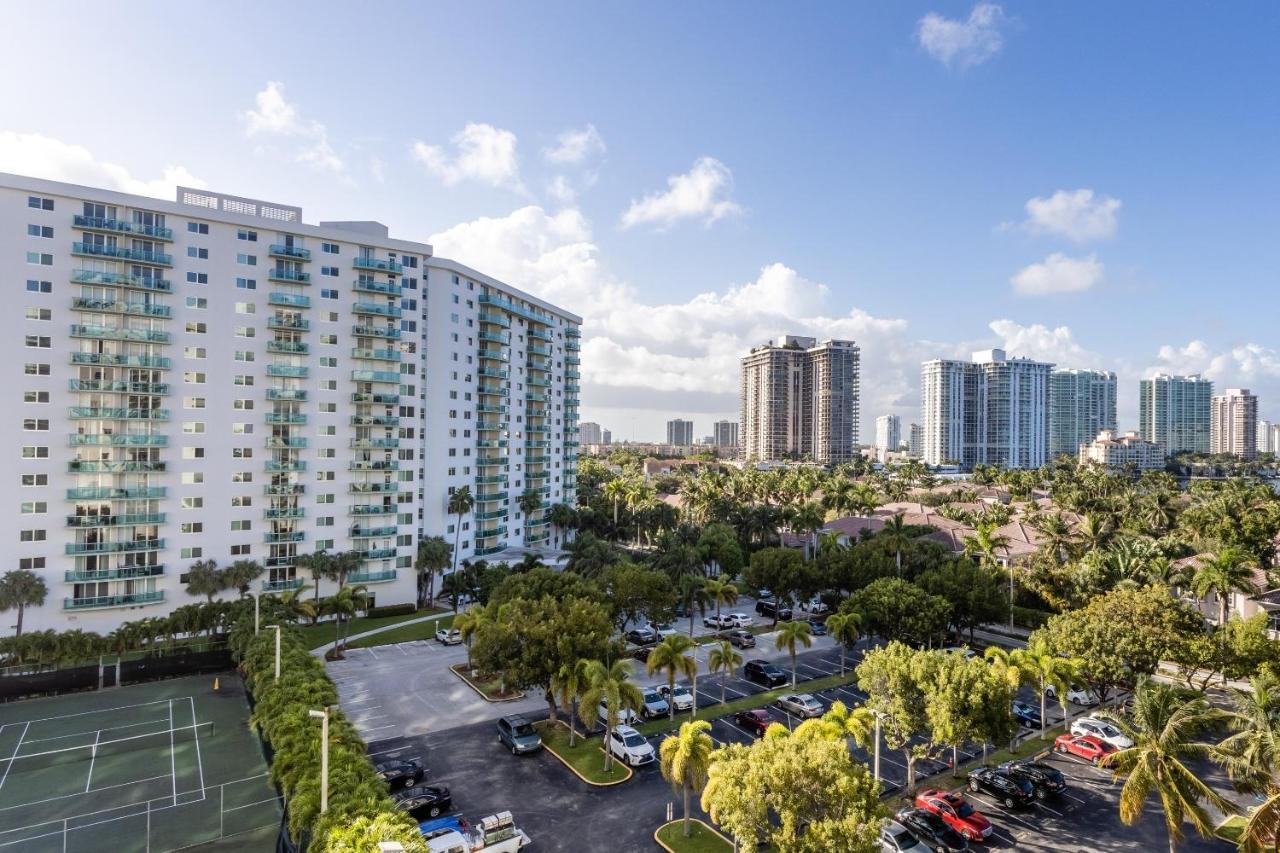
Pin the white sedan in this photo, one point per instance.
(739, 619)
(630, 747)
(449, 637)
(680, 698)
(801, 705)
(1076, 695)
(1103, 731)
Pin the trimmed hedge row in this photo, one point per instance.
(391, 610)
(1028, 617)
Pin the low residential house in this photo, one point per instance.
(1239, 604)
(853, 529)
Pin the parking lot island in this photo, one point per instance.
(702, 838)
(585, 758)
(491, 690)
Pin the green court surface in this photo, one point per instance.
(146, 768)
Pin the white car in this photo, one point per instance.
(815, 606)
(1076, 695)
(626, 716)
(720, 622)
(1103, 731)
(801, 705)
(664, 630)
(449, 637)
(680, 698)
(740, 619)
(630, 747)
(896, 838)
(969, 654)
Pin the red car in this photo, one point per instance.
(955, 812)
(754, 722)
(1088, 747)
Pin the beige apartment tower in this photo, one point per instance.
(1234, 427)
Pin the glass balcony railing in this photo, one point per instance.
(107, 493)
(390, 288)
(121, 520)
(375, 420)
(491, 497)
(78, 548)
(283, 490)
(380, 576)
(491, 532)
(118, 574)
(292, 276)
(572, 359)
(126, 600)
(491, 514)
(380, 309)
(124, 253)
(493, 372)
(115, 333)
(119, 360)
(373, 488)
(495, 478)
(572, 332)
(493, 318)
(367, 331)
(376, 376)
(286, 418)
(537, 460)
(378, 265)
(490, 426)
(377, 553)
(492, 408)
(286, 442)
(295, 323)
(538, 382)
(485, 552)
(120, 279)
(293, 300)
(359, 532)
(289, 395)
(365, 397)
(495, 337)
(538, 349)
(117, 414)
(506, 304)
(572, 388)
(373, 465)
(284, 512)
(374, 443)
(105, 466)
(541, 335)
(572, 346)
(283, 250)
(288, 347)
(281, 538)
(276, 465)
(536, 396)
(376, 354)
(374, 509)
(492, 462)
(117, 440)
(283, 584)
(118, 386)
(119, 306)
(494, 355)
(572, 374)
(491, 389)
(492, 443)
(292, 371)
(122, 226)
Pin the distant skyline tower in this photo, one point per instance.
(1234, 428)
(590, 433)
(679, 432)
(1082, 403)
(1174, 412)
(888, 434)
(725, 433)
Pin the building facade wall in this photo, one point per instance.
(1175, 413)
(1082, 403)
(1234, 427)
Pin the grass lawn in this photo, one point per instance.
(491, 688)
(701, 839)
(418, 631)
(322, 633)
(585, 757)
(1231, 828)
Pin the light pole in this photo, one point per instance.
(323, 717)
(1010, 593)
(876, 760)
(277, 630)
(256, 620)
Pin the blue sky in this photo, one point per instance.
(697, 178)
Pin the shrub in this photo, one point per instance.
(391, 610)
(1028, 617)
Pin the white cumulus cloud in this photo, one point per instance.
(1058, 274)
(481, 153)
(575, 146)
(963, 43)
(701, 193)
(1078, 215)
(45, 157)
(274, 116)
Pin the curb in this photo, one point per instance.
(708, 827)
(480, 692)
(575, 772)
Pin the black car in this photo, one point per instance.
(764, 673)
(742, 639)
(767, 607)
(1009, 788)
(424, 801)
(642, 654)
(932, 831)
(1045, 778)
(642, 636)
(817, 626)
(400, 774)
(1026, 714)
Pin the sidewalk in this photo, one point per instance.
(439, 614)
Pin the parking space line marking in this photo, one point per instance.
(372, 652)
(1017, 819)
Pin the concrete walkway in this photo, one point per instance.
(439, 614)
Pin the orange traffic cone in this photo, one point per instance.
(215, 684)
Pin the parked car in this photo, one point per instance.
(1026, 714)
(1009, 789)
(755, 722)
(449, 637)
(817, 626)
(400, 774)
(642, 654)
(1076, 695)
(801, 705)
(654, 705)
(518, 735)
(815, 606)
(626, 716)
(642, 636)
(969, 654)
(1045, 778)
(718, 621)
(767, 607)
(764, 673)
(1087, 747)
(664, 630)
(629, 746)
(424, 801)
(742, 639)
(932, 830)
(896, 838)
(740, 619)
(1103, 731)
(955, 812)
(764, 592)
(680, 698)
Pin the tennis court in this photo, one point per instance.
(152, 767)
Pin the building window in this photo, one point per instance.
(197, 278)
(40, 231)
(39, 203)
(330, 248)
(198, 227)
(245, 234)
(197, 252)
(38, 259)
(246, 284)
(247, 260)
(34, 286)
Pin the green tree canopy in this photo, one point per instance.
(899, 610)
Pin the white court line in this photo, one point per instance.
(14, 757)
(96, 732)
(196, 732)
(98, 711)
(93, 757)
(69, 796)
(173, 759)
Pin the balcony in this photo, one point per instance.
(284, 466)
(538, 383)
(491, 514)
(122, 520)
(376, 354)
(538, 349)
(493, 390)
(492, 462)
(491, 532)
(292, 300)
(491, 497)
(129, 600)
(78, 466)
(293, 253)
(381, 576)
(540, 429)
(117, 414)
(388, 399)
(373, 488)
(286, 418)
(291, 371)
(493, 372)
(494, 319)
(494, 355)
(373, 465)
(536, 412)
(294, 323)
(540, 335)
(124, 253)
(118, 386)
(376, 376)
(122, 226)
(284, 512)
(572, 359)
(283, 561)
(373, 509)
(79, 548)
(118, 360)
(485, 552)
(281, 538)
(116, 333)
(367, 331)
(291, 276)
(507, 305)
(120, 279)
(572, 374)
(375, 420)
(116, 306)
(494, 478)
(537, 460)
(378, 265)
(492, 442)
(122, 573)
(288, 347)
(573, 346)
(283, 584)
(358, 532)
(492, 408)
(117, 440)
(503, 338)
(374, 443)
(490, 426)
(540, 443)
(389, 288)
(290, 395)
(537, 538)
(572, 332)
(381, 309)
(377, 553)
(284, 490)
(572, 388)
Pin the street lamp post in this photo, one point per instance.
(277, 630)
(323, 717)
(876, 760)
(257, 622)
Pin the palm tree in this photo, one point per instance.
(1251, 755)
(864, 499)
(673, 657)
(845, 629)
(694, 596)
(807, 519)
(984, 544)
(344, 563)
(20, 589)
(454, 586)
(1095, 532)
(1165, 724)
(468, 623)
(563, 517)
(1226, 572)
(530, 501)
(895, 536)
(794, 633)
(723, 658)
(318, 564)
(841, 721)
(612, 685)
(1037, 665)
(241, 574)
(616, 490)
(460, 503)
(1058, 537)
(720, 592)
(567, 685)
(203, 578)
(434, 555)
(684, 759)
(344, 605)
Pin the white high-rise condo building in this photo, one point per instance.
(915, 441)
(1268, 440)
(888, 434)
(1082, 403)
(800, 400)
(1174, 412)
(992, 410)
(679, 432)
(213, 379)
(590, 433)
(725, 433)
(1234, 428)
